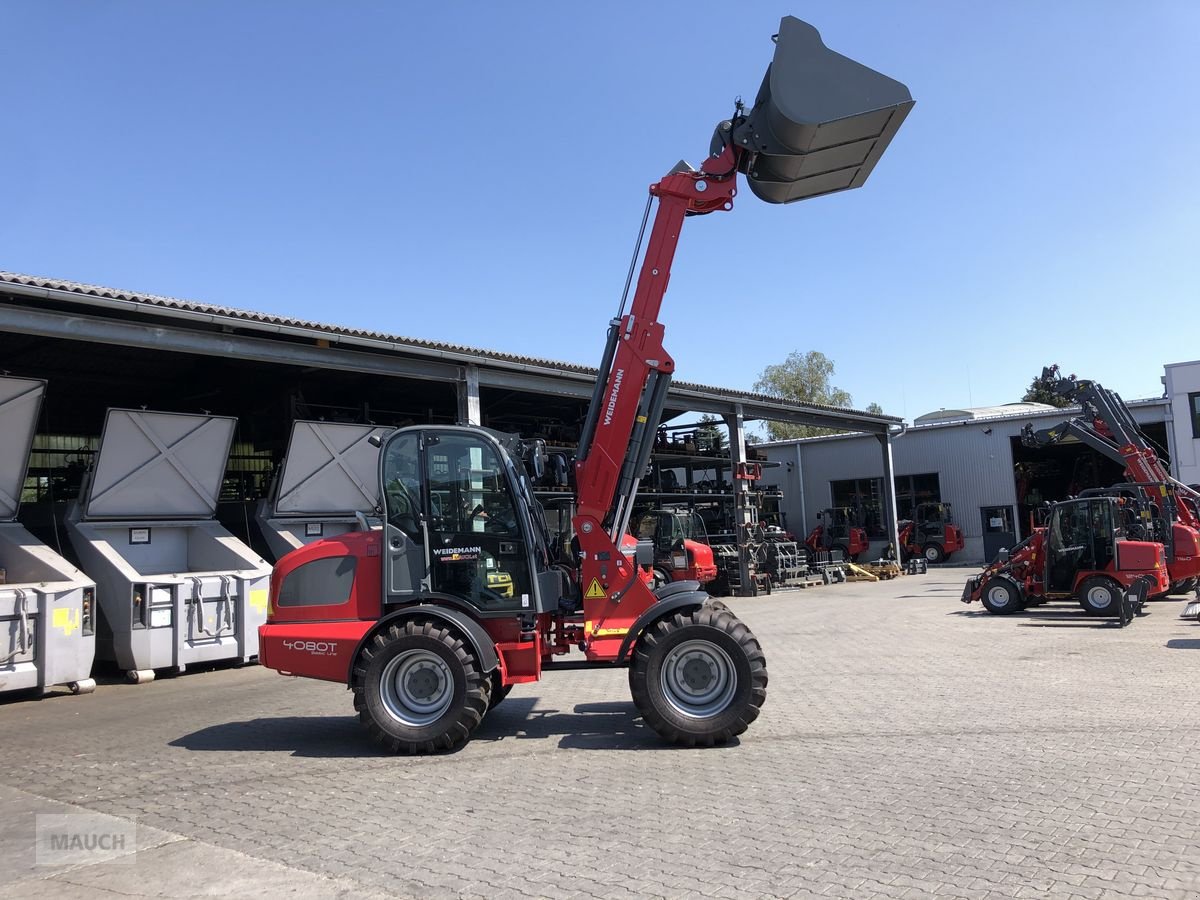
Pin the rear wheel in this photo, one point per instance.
(418, 688)
(841, 548)
(698, 678)
(1100, 597)
(933, 553)
(1001, 597)
(661, 578)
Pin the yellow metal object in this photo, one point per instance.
(610, 632)
(501, 583)
(258, 600)
(66, 620)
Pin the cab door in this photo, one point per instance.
(477, 548)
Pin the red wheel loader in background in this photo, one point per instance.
(931, 533)
(681, 548)
(837, 531)
(405, 616)
(1082, 553)
(1108, 427)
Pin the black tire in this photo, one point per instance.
(1101, 597)
(661, 578)
(841, 548)
(418, 688)
(674, 662)
(499, 691)
(716, 605)
(933, 552)
(1001, 597)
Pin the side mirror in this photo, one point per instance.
(535, 459)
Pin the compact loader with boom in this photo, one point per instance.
(405, 616)
(1083, 553)
(1108, 427)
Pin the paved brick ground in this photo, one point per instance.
(910, 748)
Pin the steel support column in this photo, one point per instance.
(744, 513)
(891, 522)
(469, 410)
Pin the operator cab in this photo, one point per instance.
(461, 522)
(1081, 536)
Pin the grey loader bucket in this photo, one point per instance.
(329, 477)
(820, 121)
(47, 606)
(174, 587)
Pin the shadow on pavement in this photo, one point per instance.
(1037, 617)
(588, 726)
(318, 737)
(1184, 643)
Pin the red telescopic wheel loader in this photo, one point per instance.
(837, 531)
(405, 617)
(1082, 553)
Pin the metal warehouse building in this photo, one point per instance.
(974, 460)
(100, 348)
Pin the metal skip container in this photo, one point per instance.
(47, 606)
(174, 587)
(329, 476)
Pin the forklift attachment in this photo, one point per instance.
(820, 121)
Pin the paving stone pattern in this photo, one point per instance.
(910, 747)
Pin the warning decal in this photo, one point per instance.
(594, 591)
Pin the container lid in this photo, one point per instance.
(330, 468)
(158, 465)
(20, 403)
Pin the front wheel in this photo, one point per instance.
(1001, 597)
(1100, 597)
(698, 678)
(418, 688)
(933, 553)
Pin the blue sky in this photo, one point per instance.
(476, 173)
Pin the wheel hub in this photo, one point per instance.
(698, 679)
(416, 687)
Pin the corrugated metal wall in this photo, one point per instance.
(973, 461)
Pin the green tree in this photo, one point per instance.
(1040, 390)
(803, 377)
(874, 408)
(710, 433)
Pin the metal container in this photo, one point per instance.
(329, 477)
(47, 606)
(174, 587)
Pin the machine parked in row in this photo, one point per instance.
(1083, 553)
(838, 532)
(930, 533)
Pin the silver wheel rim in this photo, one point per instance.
(1099, 597)
(416, 688)
(698, 679)
(998, 596)
(931, 553)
